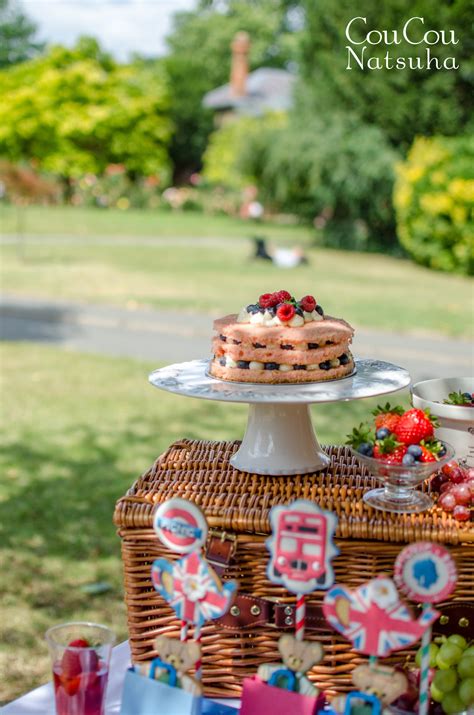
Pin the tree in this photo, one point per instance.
(75, 110)
(17, 33)
(337, 175)
(403, 103)
(199, 60)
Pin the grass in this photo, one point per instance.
(78, 430)
(86, 222)
(369, 290)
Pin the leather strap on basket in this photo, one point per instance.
(248, 611)
(456, 617)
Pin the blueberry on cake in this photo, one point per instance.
(281, 340)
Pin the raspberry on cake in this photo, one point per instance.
(281, 340)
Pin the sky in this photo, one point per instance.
(122, 26)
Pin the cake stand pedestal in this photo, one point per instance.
(280, 438)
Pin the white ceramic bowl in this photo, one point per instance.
(456, 423)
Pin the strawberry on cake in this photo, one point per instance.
(281, 340)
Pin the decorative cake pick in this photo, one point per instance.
(190, 586)
(301, 549)
(374, 618)
(426, 573)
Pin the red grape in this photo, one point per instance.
(470, 473)
(438, 480)
(461, 513)
(446, 487)
(449, 466)
(457, 475)
(462, 493)
(447, 501)
(470, 484)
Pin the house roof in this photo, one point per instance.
(267, 89)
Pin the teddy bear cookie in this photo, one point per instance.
(297, 658)
(175, 659)
(381, 681)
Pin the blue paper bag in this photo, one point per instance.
(209, 707)
(144, 696)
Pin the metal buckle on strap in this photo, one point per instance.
(220, 550)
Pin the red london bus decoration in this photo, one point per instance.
(301, 547)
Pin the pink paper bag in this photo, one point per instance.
(259, 698)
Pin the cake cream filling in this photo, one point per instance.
(228, 362)
(267, 319)
(283, 346)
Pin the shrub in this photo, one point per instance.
(222, 164)
(333, 171)
(434, 201)
(21, 184)
(115, 189)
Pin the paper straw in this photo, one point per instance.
(425, 670)
(197, 638)
(300, 616)
(184, 631)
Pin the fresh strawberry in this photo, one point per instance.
(308, 303)
(79, 643)
(427, 456)
(268, 300)
(361, 435)
(388, 450)
(389, 420)
(71, 685)
(414, 426)
(396, 456)
(378, 454)
(389, 454)
(282, 295)
(462, 399)
(387, 416)
(76, 661)
(285, 312)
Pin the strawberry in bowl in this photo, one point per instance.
(399, 447)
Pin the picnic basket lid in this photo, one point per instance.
(239, 502)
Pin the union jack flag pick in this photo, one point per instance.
(192, 588)
(374, 618)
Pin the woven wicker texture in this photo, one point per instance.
(238, 503)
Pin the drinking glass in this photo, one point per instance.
(80, 670)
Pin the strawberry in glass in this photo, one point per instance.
(80, 655)
(80, 680)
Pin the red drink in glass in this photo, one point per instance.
(82, 694)
(80, 654)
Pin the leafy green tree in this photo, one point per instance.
(75, 110)
(17, 35)
(199, 60)
(338, 175)
(403, 103)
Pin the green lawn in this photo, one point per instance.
(369, 290)
(67, 220)
(78, 430)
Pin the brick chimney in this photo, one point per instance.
(240, 64)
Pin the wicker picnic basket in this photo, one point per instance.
(237, 505)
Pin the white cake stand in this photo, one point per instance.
(280, 438)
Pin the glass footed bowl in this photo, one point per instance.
(398, 493)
